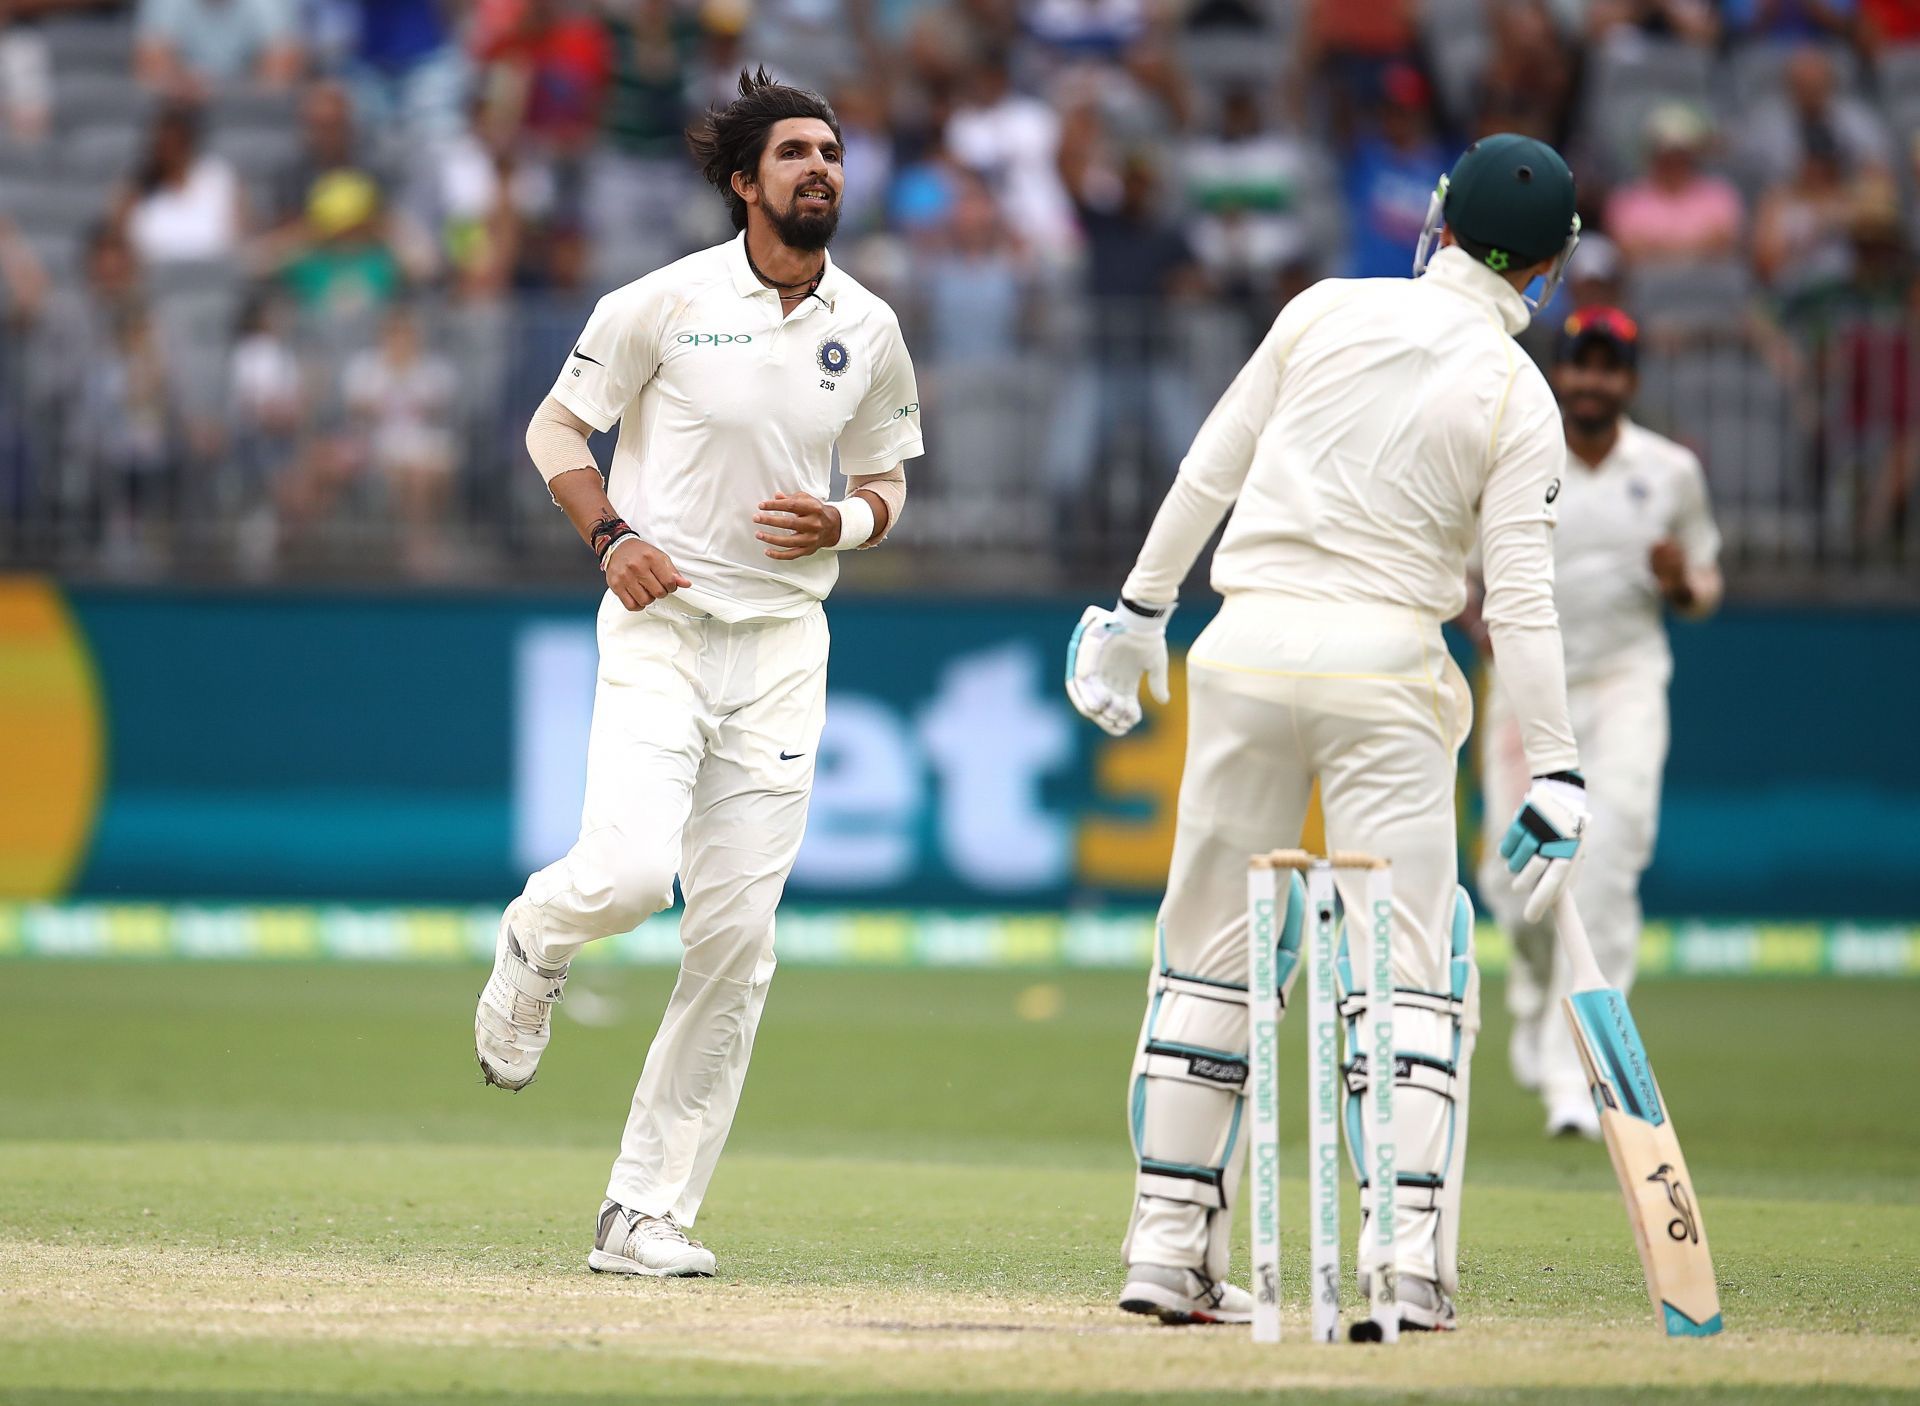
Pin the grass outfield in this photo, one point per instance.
(254, 1183)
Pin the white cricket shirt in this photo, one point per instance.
(1380, 427)
(1611, 611)
(722, 403)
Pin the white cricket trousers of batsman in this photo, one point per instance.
(685, 774)
(1620, 721)
(1281, 691)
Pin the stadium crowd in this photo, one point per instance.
(282, 278)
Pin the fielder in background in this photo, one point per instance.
(1635, 536)
(733, 373)
(1380, 430)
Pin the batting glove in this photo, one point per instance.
(1542, 846)
(1109, 652)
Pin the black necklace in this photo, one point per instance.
(809, 284)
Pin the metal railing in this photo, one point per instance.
(124, 453)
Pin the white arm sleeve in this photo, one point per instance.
(1516, 550)
(557, 440)
(1216, 466)
(891, 489)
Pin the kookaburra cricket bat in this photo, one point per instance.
(1638, 1127)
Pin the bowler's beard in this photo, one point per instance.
(1595, 425)
(801, 228)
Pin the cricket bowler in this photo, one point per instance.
(1382, 427)
(1636, 536)
(734, 374)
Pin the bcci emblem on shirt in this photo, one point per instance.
(833, 357)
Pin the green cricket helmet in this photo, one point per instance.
(1511, 198)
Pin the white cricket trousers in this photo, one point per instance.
(1281, 691)
(700, 763)
(1620, 722)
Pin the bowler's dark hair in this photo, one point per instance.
(732, 138)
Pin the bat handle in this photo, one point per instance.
(1581, 966)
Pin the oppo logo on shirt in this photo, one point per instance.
(711, 339)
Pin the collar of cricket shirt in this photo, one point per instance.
(746, 282)
(1459, 270)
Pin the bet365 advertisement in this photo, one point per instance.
(179, 745)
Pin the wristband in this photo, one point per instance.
(1144, 619)
(607, 555)
(856, 523)
(605, 531)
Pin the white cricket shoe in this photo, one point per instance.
(1573, 1115)
(1424, 1308)
(1180, 1296)
(633, 1242)
(514, 1020)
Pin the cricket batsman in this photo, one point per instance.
(1636, 536)
(1381, 428)
(734, 374)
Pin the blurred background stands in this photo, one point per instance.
(284, 278)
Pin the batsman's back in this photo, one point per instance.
(1395, 400)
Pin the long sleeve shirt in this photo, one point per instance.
(1379, 428)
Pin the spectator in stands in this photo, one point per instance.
(1890, 357)
(558, 265)
(1143, 100)
(398, 439)
(1866, 360)
(189, 48)
(24, 292)
(1256, 194)
(1678, 211)
(1391, 176)
(23, 279)
(1531, 77)
(1887, 22)
(547, 63)
(1802, 238)
(485, 205)
(639, 174)
(267, 411)
(1354, 49)
(341, 264)
(1787, 19)
(328, 143)
(1012, 141)
(26, 78)
(1684, 21)
(1129, 408)
(975, 280)
(1098, 30)
(1595, 278)
(126, 432)
(920, 204)
(714, 74)
(78, 321)
(812, 42)
(400, 397)
(404, 66)
(866, 143)
(1775, 137)
(185, 204)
